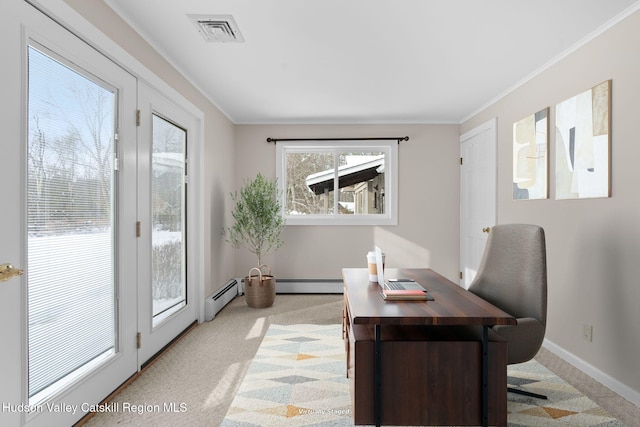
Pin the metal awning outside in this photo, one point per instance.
(349, 174)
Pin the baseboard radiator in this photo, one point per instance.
(216, 302)
(306, 286)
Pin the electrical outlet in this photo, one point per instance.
(587, 332)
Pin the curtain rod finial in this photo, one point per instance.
(271, 139)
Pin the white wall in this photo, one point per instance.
(593, 245)
(427, 232)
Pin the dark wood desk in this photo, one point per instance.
(446, 342)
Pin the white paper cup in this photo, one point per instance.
(372, 266)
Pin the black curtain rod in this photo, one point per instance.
(391, 138)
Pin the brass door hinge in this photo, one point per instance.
(138, 229)
(137, 117)
(461, 160)
(461, 275)
(138, 340)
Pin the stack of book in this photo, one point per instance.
(405, 295)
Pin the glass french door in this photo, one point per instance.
(71, 222)
(70, 163)
(77, 276)
(168, 218)
(166, 291)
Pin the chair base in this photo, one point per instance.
(526, 393)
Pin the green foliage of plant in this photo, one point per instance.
(258, 218)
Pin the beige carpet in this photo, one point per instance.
(201, 374)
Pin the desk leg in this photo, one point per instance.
(377, 384)
(485, 375)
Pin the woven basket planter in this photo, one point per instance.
(260, 289)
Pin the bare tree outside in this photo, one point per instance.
(299, 197)
(71, 154)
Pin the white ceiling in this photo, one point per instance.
(367, 61)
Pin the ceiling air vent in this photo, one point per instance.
(217, 28)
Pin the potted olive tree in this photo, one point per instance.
(258, 225)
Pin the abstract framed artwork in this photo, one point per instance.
(530, 159)
(583, 144)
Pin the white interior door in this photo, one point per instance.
(478, 176)
(168, 299)
(69, 323)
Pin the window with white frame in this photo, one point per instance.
(338, 182)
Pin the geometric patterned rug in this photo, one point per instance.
(565, 406)
(297, 378)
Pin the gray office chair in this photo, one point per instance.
(513, 277)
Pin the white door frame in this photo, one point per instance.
(153, 339)
(12, 292)
(478, 205)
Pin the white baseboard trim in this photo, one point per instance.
(304, 286)
(309, 286)
(623, 390)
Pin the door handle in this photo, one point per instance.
(7, 271)
(486, 229)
